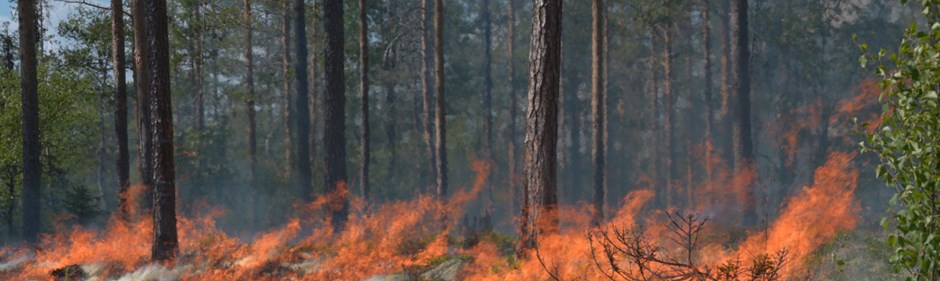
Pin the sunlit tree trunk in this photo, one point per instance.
(165, 244)
(540, 205)
(142, 86)
(334, 113)
(426, 88)
(439, 125)
(32, 176)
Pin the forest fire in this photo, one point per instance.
(402, 238)
(729, 154)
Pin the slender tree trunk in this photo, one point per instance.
(706, 69)
(724, 115)
(655, 125)
(142, 85)
(32, 176)
(670, 169)
(540, 209)
(742, 85)
(487, 82)
(512, 106)
(598, 9)
(741, 129)
(312, 78)
(252, 125)
(199, 104)
(439, 125)
(102, 136)
(426, 88)
(334, 130)
(165, 244)
(487, 97)
(364, 96)
(120, 104)
(304, 177)
(285, 71)
(250, 103)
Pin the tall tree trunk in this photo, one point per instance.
(334, 130)
(250, 107)
(439, 125)
(540, 205)
(102, 136)
(198, 105)
(364, 96)
(741, 129)
(426, 87)
(598, 9)
(670, 169)
(304, 177)
(285, 71)
(312, 78)
(142, 86)
(724, 114)
(655, 125)
(487, 82)
(32, 176)
(487, 96)
(512, 106)
(707, 70)
(120, 104)
(165, 244)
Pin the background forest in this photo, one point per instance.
(668, 115)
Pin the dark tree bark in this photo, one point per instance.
(540, 204)
(165, 244)
(250, 103)
(304, 177)
(334, 113)
(598, 150)
(142, 85)
(744, 153)
(120, 104)
(439, 125)
(285, 70)
(487, 81)
(364, 96)
(741, 112)
(426, 88)
(32, 176)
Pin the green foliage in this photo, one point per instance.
(906, 144)
(67, 123)
(81, 203)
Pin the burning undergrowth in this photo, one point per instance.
(413, 237)
(423, 239)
